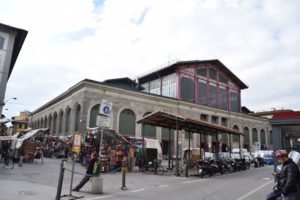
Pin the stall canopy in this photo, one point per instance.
(177, 122)
(29, 134)
(5, 138)
(110, 136)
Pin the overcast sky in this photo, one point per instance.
(71, 40)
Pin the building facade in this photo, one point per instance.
(20, 123)
(212, 96)
(11, 42)
(286, 130)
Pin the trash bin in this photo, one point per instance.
(97, 185)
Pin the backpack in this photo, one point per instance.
(96, 168)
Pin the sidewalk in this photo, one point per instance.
(39, 182)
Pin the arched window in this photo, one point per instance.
(246, 136)
(270, 138)
(263, 144)
(235, 138)
(68, 115)
(127, 122)
(54, 123)
(262, 137)
(254, 135)
(77, 118)
(50, 125)
(93, 115)
(1, 42)
(61, 114)
(149, 131)
(45, 123)
(42, 123)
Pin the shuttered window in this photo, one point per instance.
(127, 122)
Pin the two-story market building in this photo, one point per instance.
(203, 90)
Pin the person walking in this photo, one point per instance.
(91, 170)
(21, 155)
(289, 176)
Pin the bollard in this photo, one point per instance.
(155, 166)
(61, 178)
(186, 168)
(124, 171)
(97, 185)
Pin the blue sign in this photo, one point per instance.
(106, 109)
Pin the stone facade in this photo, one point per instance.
(87, 93)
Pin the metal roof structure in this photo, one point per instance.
(177, 122)
(172, 68)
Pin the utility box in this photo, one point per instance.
(97, 185)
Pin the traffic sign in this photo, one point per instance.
(105, 108)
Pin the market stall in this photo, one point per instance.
(29, 142)
(114, 148)
(56, 147)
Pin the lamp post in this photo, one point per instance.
(14, 98)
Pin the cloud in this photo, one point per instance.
(71, 40)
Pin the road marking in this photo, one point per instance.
(266, 178)
(258, 188)
(161, 186)
(193, 181)
(95, 198)
(138, 190)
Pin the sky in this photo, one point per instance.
(72, 40)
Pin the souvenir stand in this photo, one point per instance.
(55, 146)
(114, 149)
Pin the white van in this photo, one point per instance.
(244, 153)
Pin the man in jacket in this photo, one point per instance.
(289, 176)
(89, 172)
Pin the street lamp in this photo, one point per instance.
(14, 98)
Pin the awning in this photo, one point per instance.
(5, 138)
(4, 120)
(29, 134)
(169, 120)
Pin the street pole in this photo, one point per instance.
(72, 174)
(177, 149)
(101, 139)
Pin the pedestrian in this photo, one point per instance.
(91, 171)
(21, 155)
(288, 177)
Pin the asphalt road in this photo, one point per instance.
(39, 181)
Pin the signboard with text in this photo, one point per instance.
(76, 143)
(103, 121)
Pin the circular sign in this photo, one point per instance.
(106, 109)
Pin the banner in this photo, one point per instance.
(76, 143)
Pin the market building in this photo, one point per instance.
(203, 90)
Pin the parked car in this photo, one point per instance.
(268, 159)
